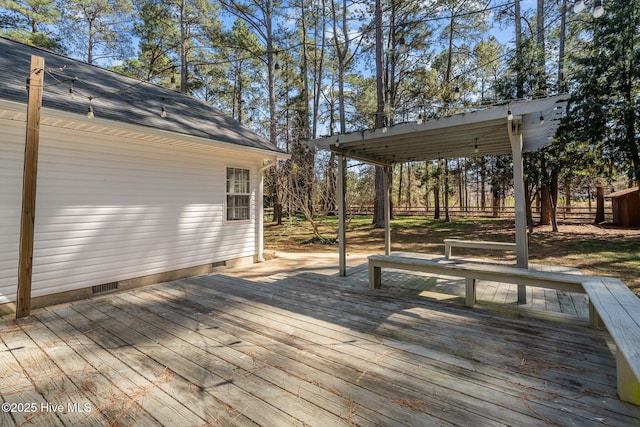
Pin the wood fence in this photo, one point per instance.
(579, 214)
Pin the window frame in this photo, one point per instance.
(235, 184)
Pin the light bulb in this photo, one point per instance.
(509, 115)
(90, 112)
(163, 112)
(578, 6)
(402, 45)
(71, 95)
(251, 121)
(598, 9)
(456, 93)
(541, 119)
(419, 119)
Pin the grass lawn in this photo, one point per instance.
(600, 250)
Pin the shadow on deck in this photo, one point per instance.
(304, 349)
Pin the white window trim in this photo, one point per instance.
(251, 213)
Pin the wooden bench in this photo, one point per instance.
(611, 302)
(476, 244)
(615, 306)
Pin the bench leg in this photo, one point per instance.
(375, 276)
(628, 386)
(522, 294)
(594, 318)
(470, 292)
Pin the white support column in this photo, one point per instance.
(342, 206)
(387, 210)
(260, 217)
(522, 244)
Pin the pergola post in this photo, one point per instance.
(387, 210)
(342, 205)
(522, 245)
(260, 217)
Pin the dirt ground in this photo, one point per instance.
(604, 250)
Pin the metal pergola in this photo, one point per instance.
(514, 128)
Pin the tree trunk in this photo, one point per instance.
(554, 200)
(446, 192)
(408, 186)
(378, 201)
(483, 185)
(399, 203)
(518, 30)
(542, 74)
(528, 201)
(460, 186)
(563, 35)
(183, 47)
(545, 205)
(599, 204)
(567, 195)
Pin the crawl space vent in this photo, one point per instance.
(105, 287)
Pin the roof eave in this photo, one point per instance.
(69, 120)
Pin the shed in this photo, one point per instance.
(127, 197)
(626, 207)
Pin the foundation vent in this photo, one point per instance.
(104, 288)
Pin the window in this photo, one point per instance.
(237, 194)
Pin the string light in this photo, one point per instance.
(598, 9)
(253, 112)
(419, 119)
(475, 147)
(71, 94)
(402, 45)
(541, 119)
(90, 114)
(456, 93)
(509, 115)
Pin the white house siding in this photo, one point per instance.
(111, 209)
(11, 165)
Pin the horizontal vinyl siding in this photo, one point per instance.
(12, 137)
(111, 209)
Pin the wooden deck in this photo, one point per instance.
(300, 349)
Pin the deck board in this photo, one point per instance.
(308, 349)
(491, 354)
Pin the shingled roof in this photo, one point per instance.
(118, 97)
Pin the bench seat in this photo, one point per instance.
(611, 302)
(476, 244)
(619, 310)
